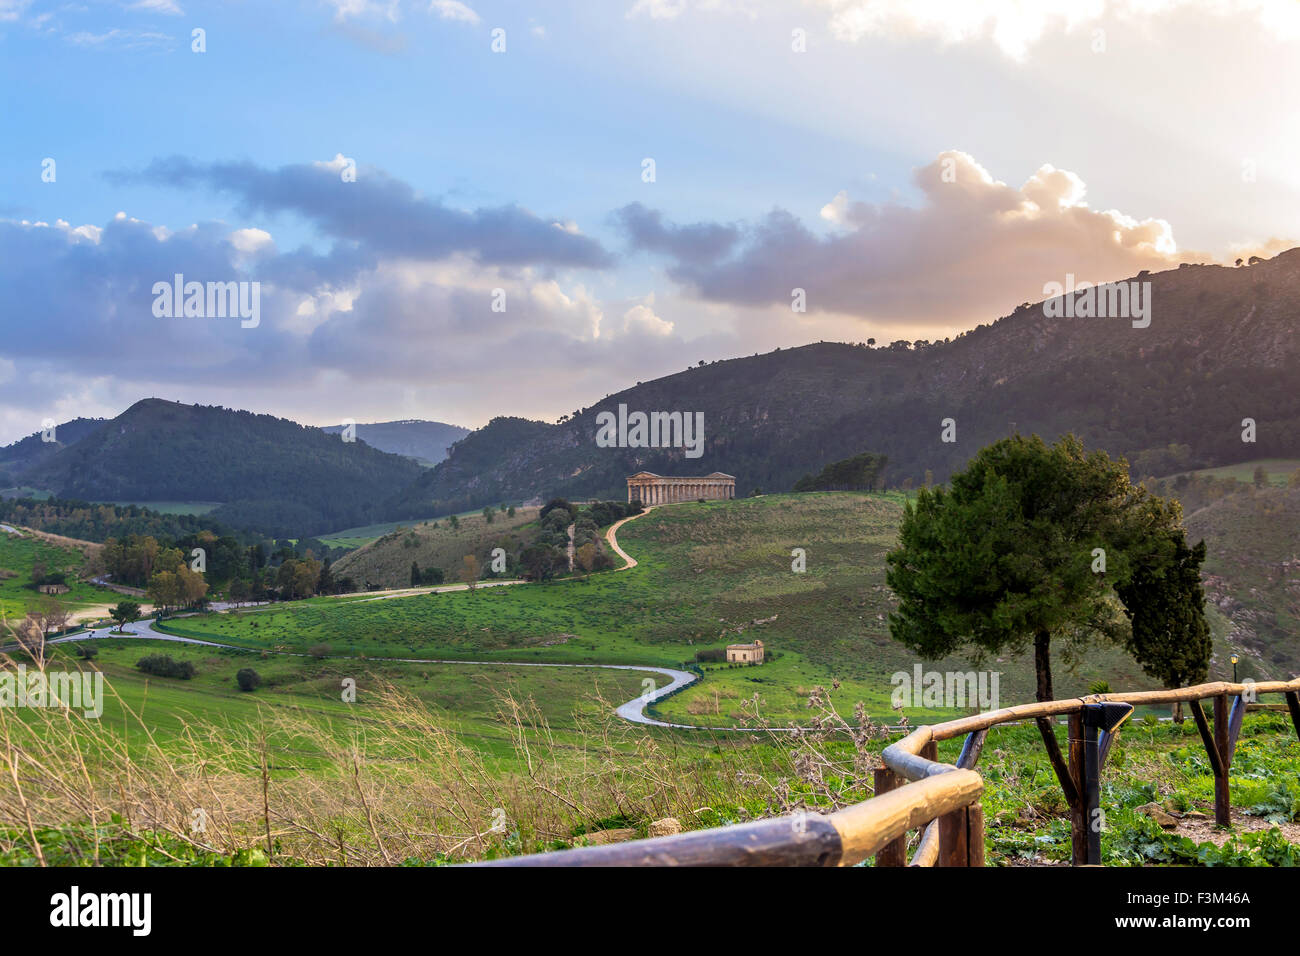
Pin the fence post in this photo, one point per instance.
(1078, 812)
(1222, 792)
(895, 852)
(961, 837)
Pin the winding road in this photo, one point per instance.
(633, 711)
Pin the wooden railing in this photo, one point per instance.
(915, 790)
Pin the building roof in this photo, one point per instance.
(651, 474)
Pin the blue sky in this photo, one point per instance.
(1091, 137)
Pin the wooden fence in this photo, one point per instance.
(914, 790)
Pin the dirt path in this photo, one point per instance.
(612, 540)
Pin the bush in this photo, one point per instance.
(712, 654)
(163, 665)
(318, 651)
(248, 679)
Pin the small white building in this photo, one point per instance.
(745, 653)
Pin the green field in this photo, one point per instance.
(18, 553)
(1279, 470)
(365, 534)
(173, 507)
(465, 698)
(385, 561)
(419, 765)
(707, 572)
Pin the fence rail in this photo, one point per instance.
(914, 790)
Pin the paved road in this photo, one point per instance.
(633, 710)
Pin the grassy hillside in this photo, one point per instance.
(708, 574)
(18, 554)
(386, 561)
(418, 766)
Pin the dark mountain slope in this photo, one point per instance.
(273, 474)
(29, 452)
(1220, 347)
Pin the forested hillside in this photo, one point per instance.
(270, 473)
(1219, 349)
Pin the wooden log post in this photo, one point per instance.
(895, 853)
(1222, 743)
(961, 837)
(1078, 812)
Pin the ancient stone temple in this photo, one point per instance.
(652, 489)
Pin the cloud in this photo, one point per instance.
(1015, 27)
(169, 7)
(381, 214)
(354, 330)
(117, 39)
(453, 10)
(658, 9)
(973, 248)
(699, 243)
(11, 10)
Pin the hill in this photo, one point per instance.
(269, 473)
(1220, 347)
(387, 561)
(29, 452)
(426, 442)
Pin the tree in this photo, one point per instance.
(1260, 477)
(453, 522)
(54, 616)
(585, 557)
(541, 562)
(488, 514)
(1169, 635)
(128, 612)
(469, 574)
(1008, 555)
(416, 578)
(510, 512)
(325, 584)
(248, 679)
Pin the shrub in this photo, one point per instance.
(248, 679)
(163, 665)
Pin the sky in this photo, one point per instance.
(457, 210)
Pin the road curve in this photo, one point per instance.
(633, 711)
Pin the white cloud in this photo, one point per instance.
(453, 10)
(658, 9)
(1015, 26)
(250, 240)
(11, 10)
(120, 40)
(157, 6)
(642, 318)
